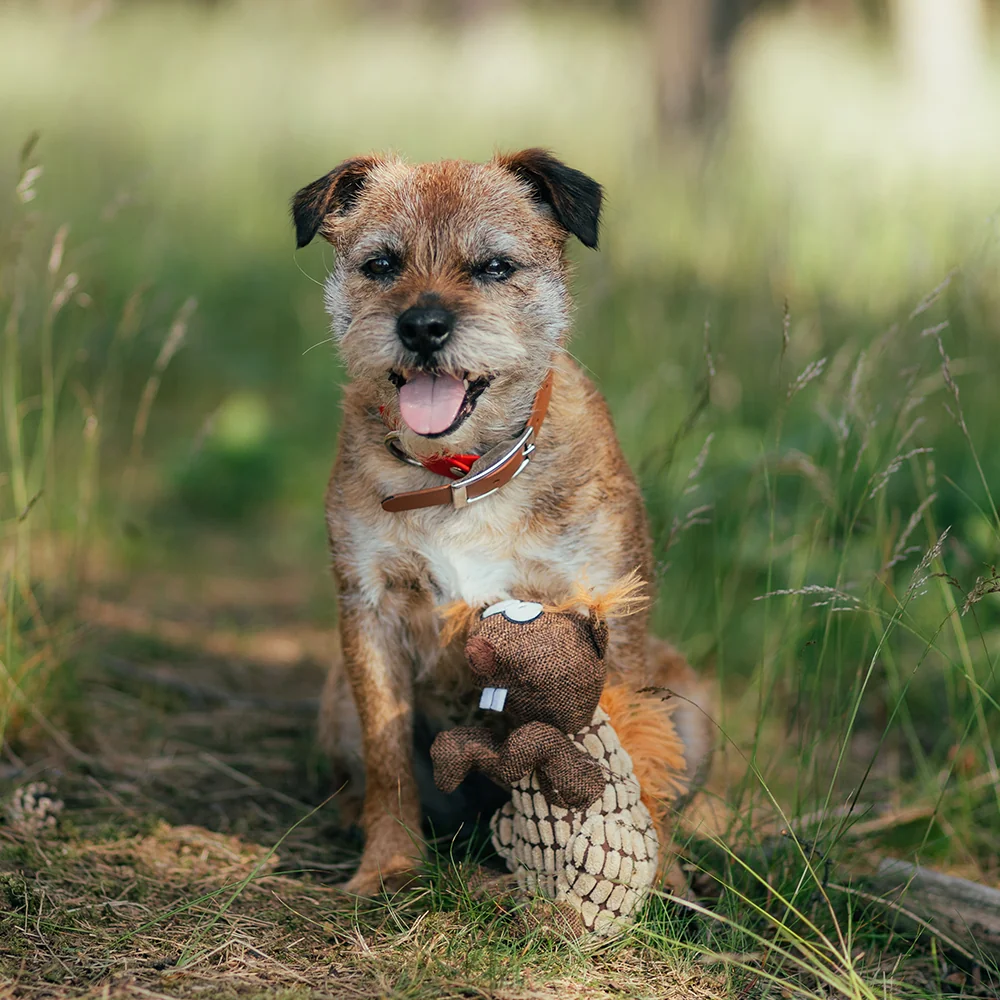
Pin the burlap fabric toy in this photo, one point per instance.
(575, 830)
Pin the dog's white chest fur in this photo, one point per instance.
(475, 555)
(484, 555)
(463, 571)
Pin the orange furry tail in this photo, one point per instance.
(646, 730)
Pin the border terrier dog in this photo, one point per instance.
(476, 462)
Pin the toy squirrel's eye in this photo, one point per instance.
(522, 612)
(514, 611)
(495, 609)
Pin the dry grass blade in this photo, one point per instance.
(171, 345)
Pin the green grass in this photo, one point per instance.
(796, 333)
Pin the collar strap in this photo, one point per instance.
(500, 465)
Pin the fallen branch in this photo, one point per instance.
(966, 912)
(963, 915)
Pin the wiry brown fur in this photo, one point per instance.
(575, 513)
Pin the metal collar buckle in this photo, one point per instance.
(459, 489)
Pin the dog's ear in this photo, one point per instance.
(333, 192)
(575, 198)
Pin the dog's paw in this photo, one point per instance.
(398, 873)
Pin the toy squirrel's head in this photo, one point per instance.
(546, 664)
(538, 665)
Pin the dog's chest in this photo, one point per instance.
(466, 569)
(483, 559)
(485, 553)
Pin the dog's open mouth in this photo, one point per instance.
(493, 699)
(433, 404)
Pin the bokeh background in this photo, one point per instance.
(794, 315)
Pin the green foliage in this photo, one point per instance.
(236, 470)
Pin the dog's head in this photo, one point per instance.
(448, 294)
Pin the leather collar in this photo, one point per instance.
(497, 467)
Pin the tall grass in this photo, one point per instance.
(862, 722)
(29, 405)
(55, 499)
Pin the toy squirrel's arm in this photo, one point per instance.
(457, 751)
(567, 776)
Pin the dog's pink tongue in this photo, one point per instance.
(429, 404)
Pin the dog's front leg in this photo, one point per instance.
(380, 675)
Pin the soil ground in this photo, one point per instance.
(199, 850)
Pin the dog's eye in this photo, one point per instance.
(496, 269)
(383, 266)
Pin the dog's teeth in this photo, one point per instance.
(486, 699)
(465, 382)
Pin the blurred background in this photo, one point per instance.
(794, 315)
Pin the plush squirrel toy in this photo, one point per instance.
(575, 830)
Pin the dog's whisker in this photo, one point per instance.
(562, 349)
(305, 273)
(320, 343)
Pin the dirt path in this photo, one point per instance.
(198, 850)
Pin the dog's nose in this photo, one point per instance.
(425, 329)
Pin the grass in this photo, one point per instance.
(800, 368)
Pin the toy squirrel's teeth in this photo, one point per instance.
(493, 699)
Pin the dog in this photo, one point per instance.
(475, 461)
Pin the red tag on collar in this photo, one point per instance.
(449, 466)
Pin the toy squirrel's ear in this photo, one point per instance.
(599, 633)
(333, 192)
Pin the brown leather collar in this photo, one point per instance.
(498, 469)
